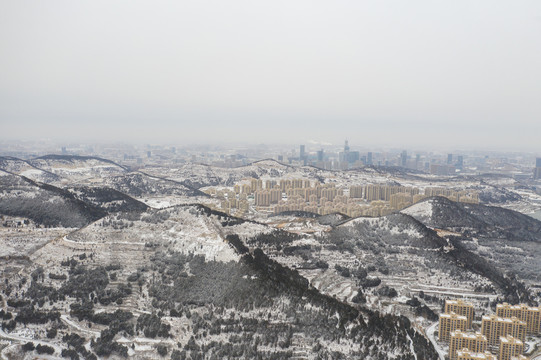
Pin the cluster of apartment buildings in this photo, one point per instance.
(408, 195)
(279, 195)
(503, 332)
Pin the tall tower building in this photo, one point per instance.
(449, 159)
(462, 340)
(449, 323)
(530, 315)
(404, 158)
(493, 327)
(369, 160)
(537, 170)
(510, 348)
(460, 162)
(301, 152)
(460, 307)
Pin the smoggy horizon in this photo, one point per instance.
(404, 75)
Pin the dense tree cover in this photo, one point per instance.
(152, 326)
(48, 205)
(29, 315)
(44, 349)
(76, 346)
(257, 282)
(108, 199)
(514, 290)
(29, 346)
(105, 346)
(83, 281)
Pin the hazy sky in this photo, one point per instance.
(404, 73)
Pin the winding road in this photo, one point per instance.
(430, 333)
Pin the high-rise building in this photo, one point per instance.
(449, 323)
(320, 155)
(262, 198)
(475, 342)
(470, 355)
(400, 200)
(347, 157)
(356, 191)
(460, 162)
(301, 153)
(275, 195)
(404, 158)
(369, 160)
(449, 159)
(493, 327)
(530, 315)
(537, 170)
(460, 307)
(510, 347)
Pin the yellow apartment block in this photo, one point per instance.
(530, 315)
(510, 348)
(494, 327)
(460, 307)
(470, 355)
(270, 184)
(475, 342)
(262, 198)
(356, 191)
(449, 323)
(275, 195)
(401, 200)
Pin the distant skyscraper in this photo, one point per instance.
(449, 158)
(347, 156)
(369, 160)
(460, 162)
(64, 151)
(320, 155)
(301, 155)
(537, 170)
(403, 158)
